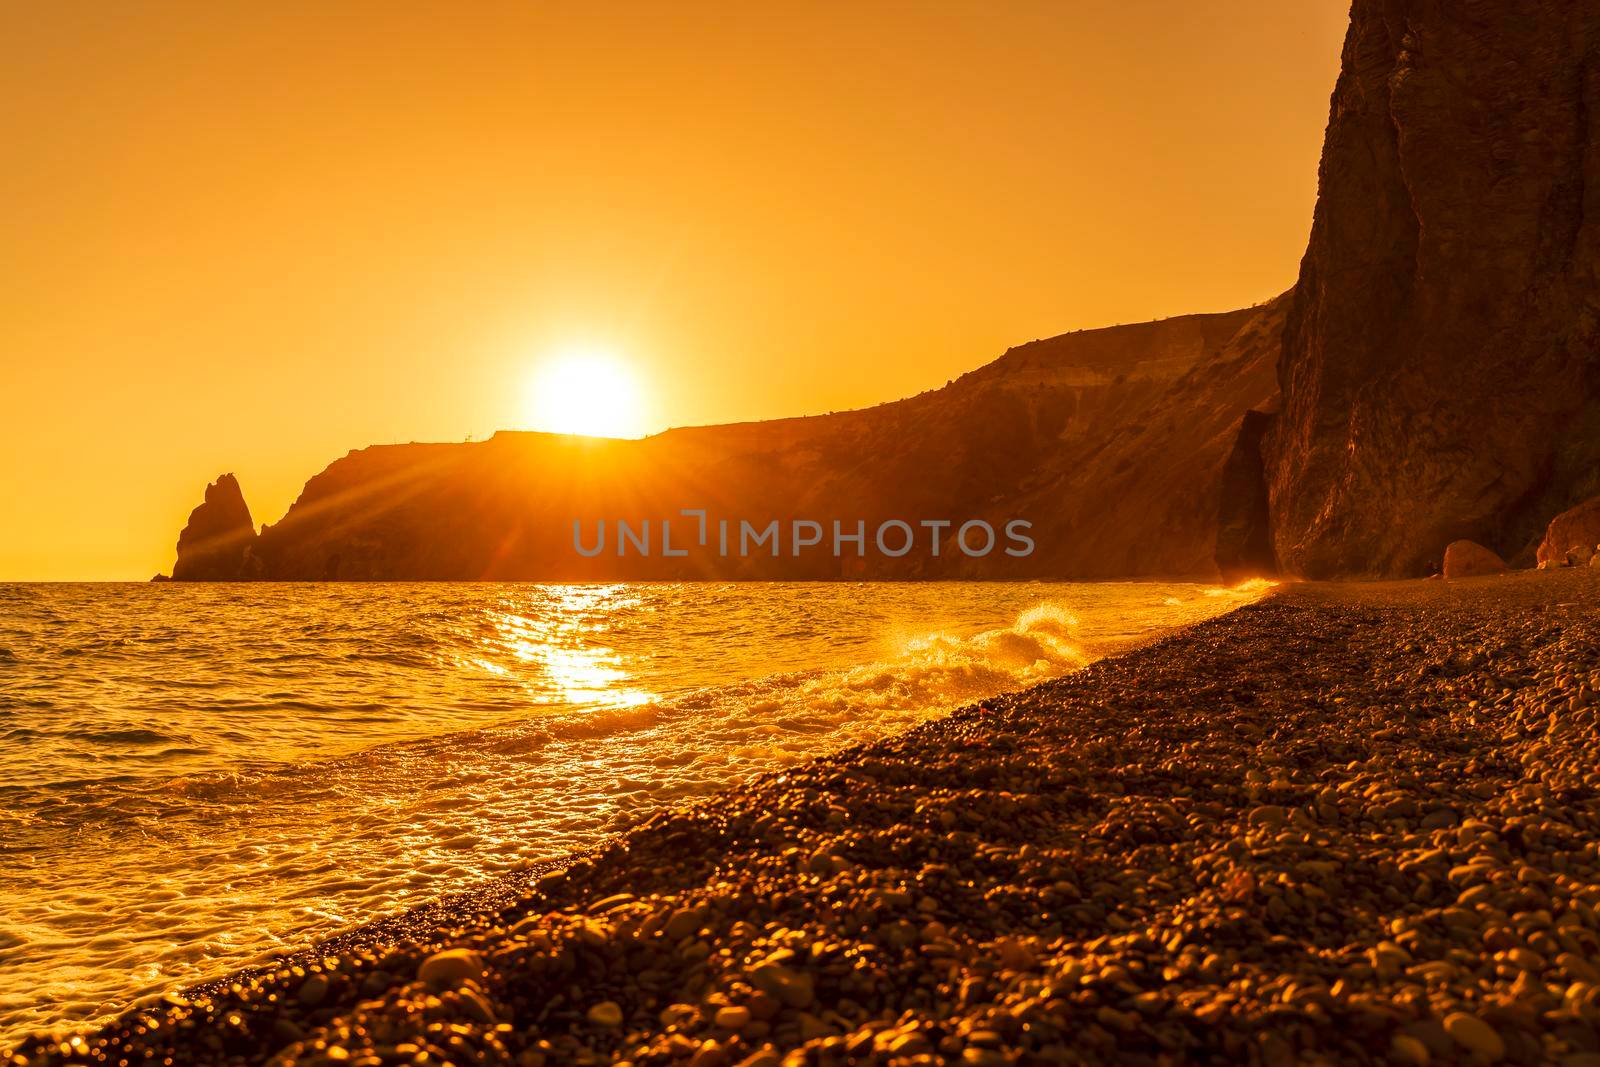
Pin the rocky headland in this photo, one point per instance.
(1112, 443)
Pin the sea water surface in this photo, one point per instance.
(195, 776)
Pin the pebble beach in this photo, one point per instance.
(1344, 824)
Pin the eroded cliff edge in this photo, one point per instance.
(1441, 361)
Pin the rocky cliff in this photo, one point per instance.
(1441, 362)
(1111, 443)
(217, 542)
(1244, 521)
(1438, 363)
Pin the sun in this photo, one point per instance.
(585, 391)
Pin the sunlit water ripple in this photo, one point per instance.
(194, 775)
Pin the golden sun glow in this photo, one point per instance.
(586, 391)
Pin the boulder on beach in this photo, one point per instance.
(1571, 537)
(1468, 559)
(215, 545)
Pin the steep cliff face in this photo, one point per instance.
(215, 545)
(1110, 442)
(1441, 362)
(1244, 528)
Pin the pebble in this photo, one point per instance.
(313, 989)
(1475, 1035)
(451, 967)
(732, 1018)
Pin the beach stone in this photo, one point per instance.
(1440, 819)
(685, 922)
(476, 1005)
(1016, 956)
(442, 970)
(1572, 536)
(910, 1043)
(1577, 968)
(1431, 1035)
(1409, 1051)
(709, 1054)
(795, 989)
(607, 1013)
(732, 1017)
(314, 989)
(1468, 559)
(984, 1057)
(1267, 815)
(1475, 1035)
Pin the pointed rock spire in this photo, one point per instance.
(216, 544)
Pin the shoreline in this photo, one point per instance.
(1131, 861)
(343, 832)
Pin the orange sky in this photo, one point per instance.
(249, 238)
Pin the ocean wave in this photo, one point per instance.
(134, 736)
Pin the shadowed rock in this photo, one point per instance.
(1468, 559)
(1572, 536)
(216, 544)
(1244, 532)
(1441, 364)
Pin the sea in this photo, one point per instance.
(198, 777)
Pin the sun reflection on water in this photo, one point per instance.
(552, 644)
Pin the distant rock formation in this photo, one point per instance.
(1441, 363)
(1244, 529)
(1111, 442)
(1468, 559)
(1572, 537)
(216, 544)
(1435, 373)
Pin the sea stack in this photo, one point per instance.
(1441, 361)
(215, 544)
